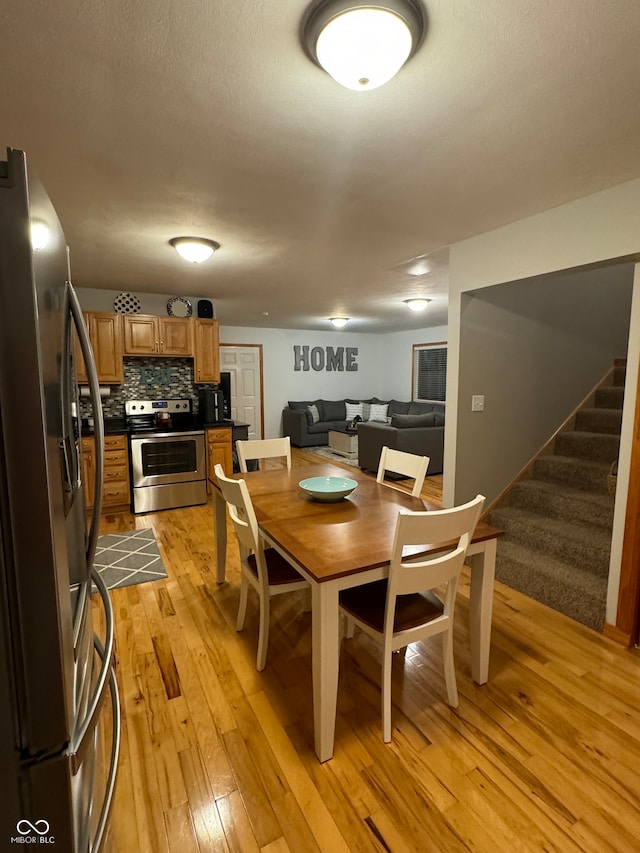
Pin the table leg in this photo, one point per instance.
(220, 516)
(326, 656)
(483, 573)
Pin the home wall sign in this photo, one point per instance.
(325, 358)
(156, 375)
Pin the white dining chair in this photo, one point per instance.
(405, 607)
(407, 464)
(262, 568)
(264, 448)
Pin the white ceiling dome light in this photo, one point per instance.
(194, 249)
(339, 322)
(417, 303)
(362, 45)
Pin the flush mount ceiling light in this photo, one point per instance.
(362, 45)
(339, 322)
(194, 249)
(417, 303)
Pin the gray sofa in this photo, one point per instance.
(399, 430)
(421, 434)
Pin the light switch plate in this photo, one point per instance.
(477, 403)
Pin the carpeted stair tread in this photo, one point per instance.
(610, 397)
(574, 592)
(599, 420)
(619, 375)
(557, 501)
(594, 446)
(576, 473)
(580, 545)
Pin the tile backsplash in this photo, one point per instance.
(149, 379)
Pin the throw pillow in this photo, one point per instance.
(378, 412)
(405, 421)
(312, 415)
(366, 410)
(353, 409)
(334, 410)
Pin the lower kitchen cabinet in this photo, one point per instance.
(115, 489)
(219, 450)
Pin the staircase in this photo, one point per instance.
(558, 524)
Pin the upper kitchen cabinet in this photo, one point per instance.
(146, 335)
(105, 334)
(206, 356)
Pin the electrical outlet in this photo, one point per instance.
(477, 403)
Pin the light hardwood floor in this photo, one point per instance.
(218, 757)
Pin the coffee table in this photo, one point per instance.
(344, 443)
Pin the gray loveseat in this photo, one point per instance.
(398, 427)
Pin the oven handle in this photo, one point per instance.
(166, 436)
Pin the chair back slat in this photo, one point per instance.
(406, 464)
(264, 448)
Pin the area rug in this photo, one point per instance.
(332, 456)
(124, 559)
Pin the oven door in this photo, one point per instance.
(159, 460)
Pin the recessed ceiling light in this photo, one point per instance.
(417, 303)
(419, 266)
(194, 249)
(339, 322)
(363, 45)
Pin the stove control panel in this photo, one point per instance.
(151, 407)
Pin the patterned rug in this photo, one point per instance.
(124, 559)
(332, 456)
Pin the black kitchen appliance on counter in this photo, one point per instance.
(211, 405)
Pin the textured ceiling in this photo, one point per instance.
(150, 119)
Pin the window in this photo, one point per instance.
(429, 371)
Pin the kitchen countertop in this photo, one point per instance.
(112, 426)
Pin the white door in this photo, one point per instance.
(244, 363)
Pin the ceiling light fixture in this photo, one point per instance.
(362, 45)
(417, 303)
(194, 249)
(339, 322)
(419, 266)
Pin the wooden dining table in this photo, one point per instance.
(344, 544)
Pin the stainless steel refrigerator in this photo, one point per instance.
(59, 712)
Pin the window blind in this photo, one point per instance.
(430, 373)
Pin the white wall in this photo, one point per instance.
(592, 230)
(384, 366)
(395, 351)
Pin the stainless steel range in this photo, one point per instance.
(168, 460)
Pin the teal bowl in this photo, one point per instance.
(328, 489)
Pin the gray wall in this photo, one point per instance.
(534, 348)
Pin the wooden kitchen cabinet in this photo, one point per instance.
(206, 355)
(148, 335)
(115, 489)
(219, 451)
(105, 334)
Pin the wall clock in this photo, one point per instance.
(178, 306)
